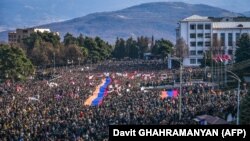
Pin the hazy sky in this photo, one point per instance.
(107, 5)
(83, 7)
(36, 12)
(233, 5)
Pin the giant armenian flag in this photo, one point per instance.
(100, 92)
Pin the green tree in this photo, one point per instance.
(36, 38)
(80, 40)
(245, 110)
(32, 39)
(14, 64)
(143, 43)
(243, 52)
(132, 48)
(103, 48)
(73, 52)
(119, 50)
(42, 55)
(69, 39)
(85, 53)
(97, 49)
(49, 37)
(162, 48)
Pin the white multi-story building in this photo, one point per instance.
(200, 32)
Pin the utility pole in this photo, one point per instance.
(205, 56)
(238, 96)
(180, 95)
(54, 63)
(238, 103)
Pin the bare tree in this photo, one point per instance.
(181, 48)
(216, 46)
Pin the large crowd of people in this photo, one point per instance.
(54, 109)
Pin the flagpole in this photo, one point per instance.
(180, 98)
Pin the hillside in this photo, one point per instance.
(247, 13)
(158, 19)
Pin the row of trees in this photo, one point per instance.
(46, 49)
(43, 48)
(136, 48)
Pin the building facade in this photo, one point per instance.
(19, 34)
(203, 33)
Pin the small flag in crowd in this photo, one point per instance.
(19, 88)
(222, 58)
(169, 93)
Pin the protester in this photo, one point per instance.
(54, 109)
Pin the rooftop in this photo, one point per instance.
(217, 19)
(196, 18)
(228, 19)
(231, 25)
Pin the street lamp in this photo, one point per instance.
(245, 87)
(67, 62)
(208, 76)
(238, 95)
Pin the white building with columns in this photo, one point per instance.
(199, 33)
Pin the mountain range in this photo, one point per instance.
(158, 19)
(247, 13)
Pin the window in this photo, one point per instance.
(230, 52)
(200, 44)
(200, 35)
(200, 52)
(237, 36)
(200, 26)
(215, 36)
(207, 26)
(25, 31)
(192, 52)
(192, 35)
(192, 26)
(207, 44)
(199, 61)
(192, 61)
(230, 39)
(222, 39)
(192, 44)
(207, 35)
